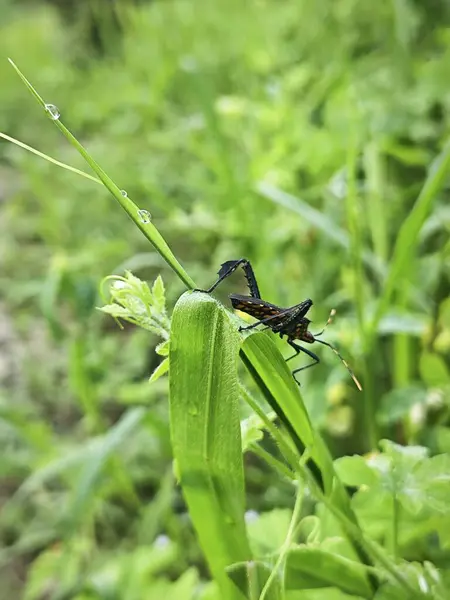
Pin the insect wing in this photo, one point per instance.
(255, 307)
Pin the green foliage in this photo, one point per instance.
(204, 418)
(310, 137)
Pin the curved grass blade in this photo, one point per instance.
(270, 371)
(205, 430)
(90, 475)
(406, 240)
(319, 220)
(49, 158)
(133, 211)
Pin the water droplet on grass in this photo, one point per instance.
(52, 111)
(124, 194)
(144, 215)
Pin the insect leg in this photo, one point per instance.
(299, 349)
(228, 267)
(251, 279)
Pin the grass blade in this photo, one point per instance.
(268, 367)
(319, 220)
(205, 430)
(145, 225)
(406, 240)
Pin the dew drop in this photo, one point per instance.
(124, 194)
(144, 215)
(53, 111)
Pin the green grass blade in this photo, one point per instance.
(319, 220)
(145, 225)
(110, 442)
(406, 241)
(48, 158)
(270, 371)
(204, 418)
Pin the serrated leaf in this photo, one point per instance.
(163, 348)
(204, 419)
(115, 310)
(159, 294)
(160, 370)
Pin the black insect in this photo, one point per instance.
(290, 322)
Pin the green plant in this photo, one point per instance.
(343, 125)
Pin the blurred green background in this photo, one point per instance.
(298, 134)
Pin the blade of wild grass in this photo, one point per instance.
(271, 373)
(375, 207)
(49, 158)
(364, 410)
(406, 239)
(205, 430)
(110, 442)
(146, 226)
(269, 369)
(318, 220)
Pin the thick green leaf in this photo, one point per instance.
(205, 429)
(308, 567)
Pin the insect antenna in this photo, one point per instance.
(345, 363)
(330, 320)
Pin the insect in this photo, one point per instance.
(290, 322)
